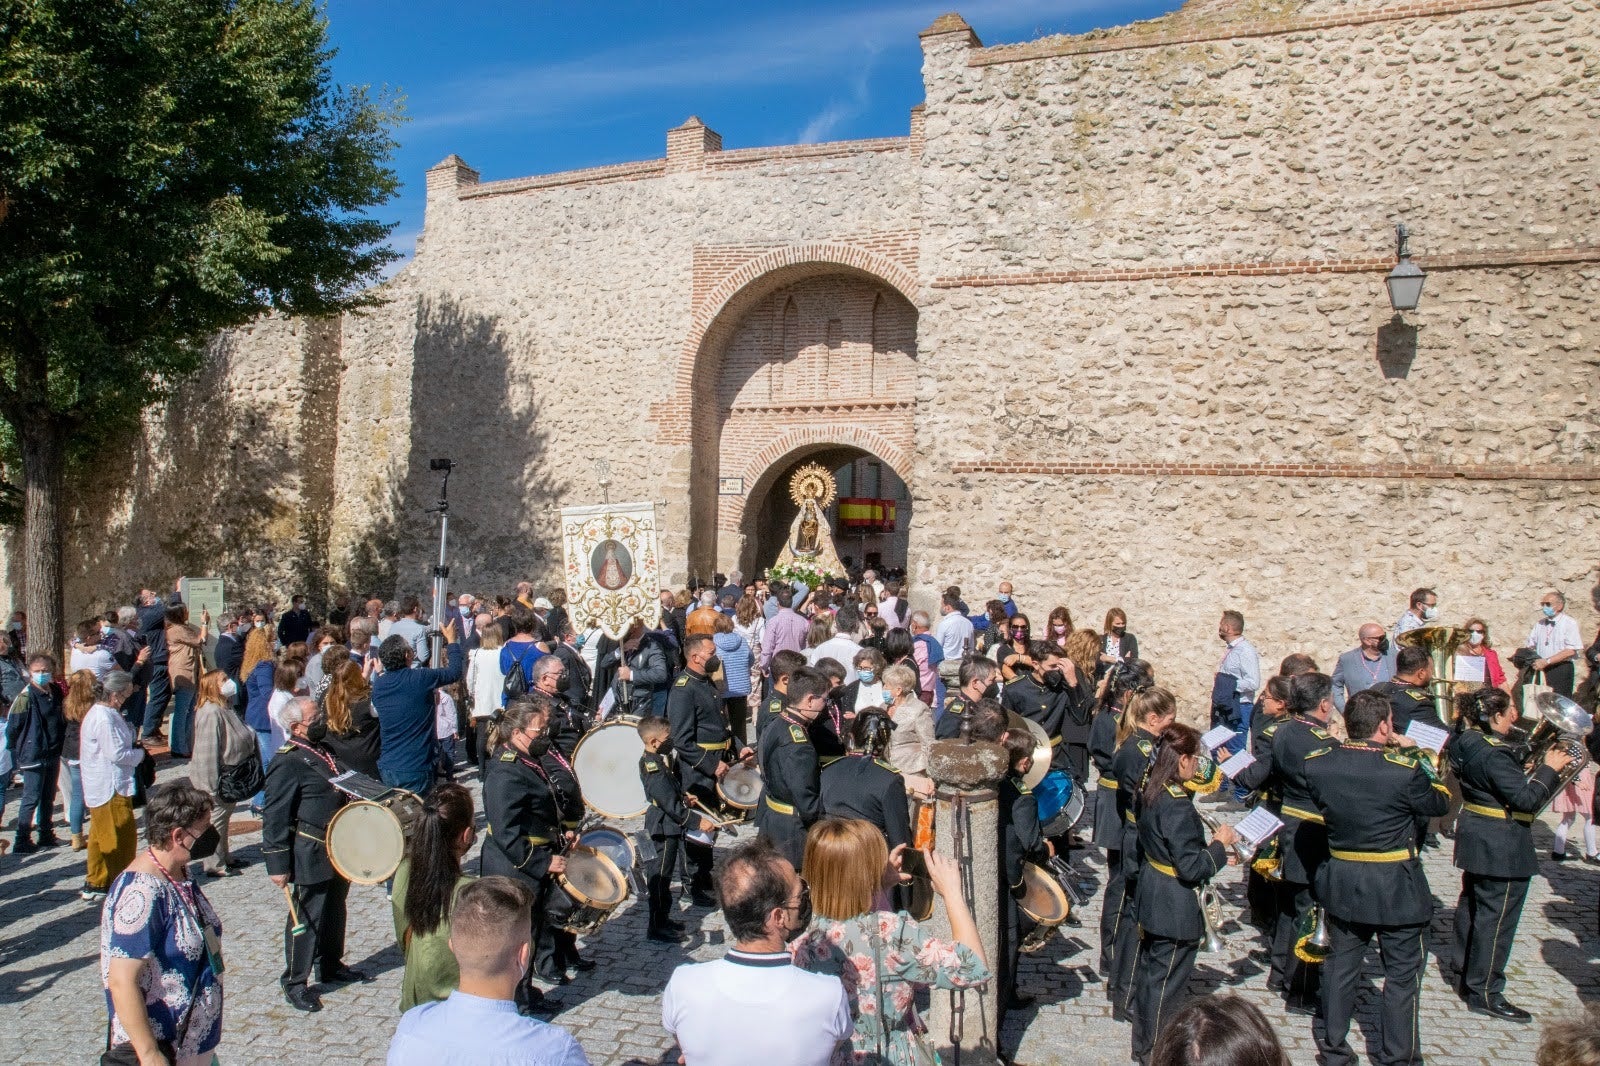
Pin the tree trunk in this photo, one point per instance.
(43, 441)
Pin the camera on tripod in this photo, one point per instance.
(441, 464)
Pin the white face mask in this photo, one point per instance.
(1430, 613)
(1477, 638)
(229, 689)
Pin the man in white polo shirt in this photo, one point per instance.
(1556, 639)
(754, 1005)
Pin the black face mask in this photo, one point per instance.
(1055, 679)
(802, 916)
(1383, 645)
(712, 664)
(992, 691)
(539, 745)
(205, 845)
(317, 729)
(1119, 630)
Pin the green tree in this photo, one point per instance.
(168, 169)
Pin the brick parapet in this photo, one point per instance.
(1395, 471)
(1173, 30)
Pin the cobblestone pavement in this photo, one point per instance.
(51, 1004)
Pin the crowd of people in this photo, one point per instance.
(840, 696)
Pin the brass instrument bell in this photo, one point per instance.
(1563, 723)
(1041, 747)
(1441, 643)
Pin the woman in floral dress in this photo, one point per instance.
(882, 956)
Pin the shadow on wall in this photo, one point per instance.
(469, 404)
(226, 497)
(1396, 347)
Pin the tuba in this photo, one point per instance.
(1441, 643)
(1563, 724)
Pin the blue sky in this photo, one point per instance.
(529, 88)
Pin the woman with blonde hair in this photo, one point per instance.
(221, 739)
(913, 721)
(257, 670)
(83, 688)
(1478, 646)
(1059, 627)
(353, 737)
(882, 957)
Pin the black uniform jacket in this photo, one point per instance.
(1130, 765)
(1283, 771)
(1177, 860)
(858, 786)
(564, 786)
(700, 733)
(523, 818)
(1494, 832)
(1021, 836)
(668, 815)
(791, 793)
(1102, 753)
(948, 727)
(767, 713)
(568, 723)
(1038, 704)
(1410, 703)
(300, 803)
(829, 730)
(1371, 798)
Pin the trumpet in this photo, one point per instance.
(1245, 850)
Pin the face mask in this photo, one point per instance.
(41, 678)
(1119, 630)
(712, 664)
(1549, 611)
(888, 697)
(1019, 634)
(205, 845)
(802, 916)
(229, 690)
(992, 691)
(1383, 645)
(1058, 629)
(1004, 597)
(1430, 613)
(1055, 679)
(105, 630)
(867, 676)
(1477, 638)
(317, 729)
(538, 745)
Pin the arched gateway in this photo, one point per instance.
(810, 356)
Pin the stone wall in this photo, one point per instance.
(1167, 260)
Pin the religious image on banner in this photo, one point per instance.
(613, 570)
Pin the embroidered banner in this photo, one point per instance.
(613, 568)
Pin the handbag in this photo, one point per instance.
(1532, 690)
(144, 776)
(241, 780)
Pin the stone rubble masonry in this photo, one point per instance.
(1113, 309)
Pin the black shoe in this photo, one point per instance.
(582, 965)
(1499, 1008)
(1302, 1006)
(1591, 860)
(542, 1007)
(1119, 1013)
(344, 975)
(302, 998)
(703, 899)
(238, 864)
(664, 935)
(1559, 856)
(50, 840)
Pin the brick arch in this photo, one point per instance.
(693, 415)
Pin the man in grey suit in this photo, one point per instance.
(466, 620)
(1364, 666)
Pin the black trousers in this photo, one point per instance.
(478, 741)
(38, 795)
(321, 908)
(1125, 948)
(1262, 895)
(1561, 677)
(737, 708)
(661, 872)
(700, 855)
(1297, 979)
(1160, 985)
(156, 699)
(1403, 950)
(1111, 908)
(1486, 928)
(554, 948)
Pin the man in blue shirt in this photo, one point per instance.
(489, 936)
(403, 699)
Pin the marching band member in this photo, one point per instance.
(701, 737)
(784, 663)
(1494, 844)
(1149, 712)
(1372, 884)
(1124, 679)
(979, 679)
(665, 819)
(1302, 842)
(1021, 840)
(1175, 862)
(523, 812)
(791, 793)
(861, 785)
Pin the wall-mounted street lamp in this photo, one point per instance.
(1405, 280)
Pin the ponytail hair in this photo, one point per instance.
(1480, 706)
(1174, 743)
(431, 849)
(869, 733)
(1144, 704)
(515, 716)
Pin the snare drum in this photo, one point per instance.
(594, 885)
(367, 839)
(613, 844)
(1068, 803)
(740, 787)
(1045, 902)
(606, 764)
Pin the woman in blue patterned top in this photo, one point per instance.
(882, 956)
(160, 939)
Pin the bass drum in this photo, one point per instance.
(1045, 902)
(606, 764)
(367, 839)
(595, 888)
(613, 844)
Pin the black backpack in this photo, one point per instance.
(516, 683)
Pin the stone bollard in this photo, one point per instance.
(965, 1026)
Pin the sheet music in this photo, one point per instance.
(1427, 736)
(1235, 764)
(1470, 667)
(1259, 826)
(1216, 737)
(360, 786)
